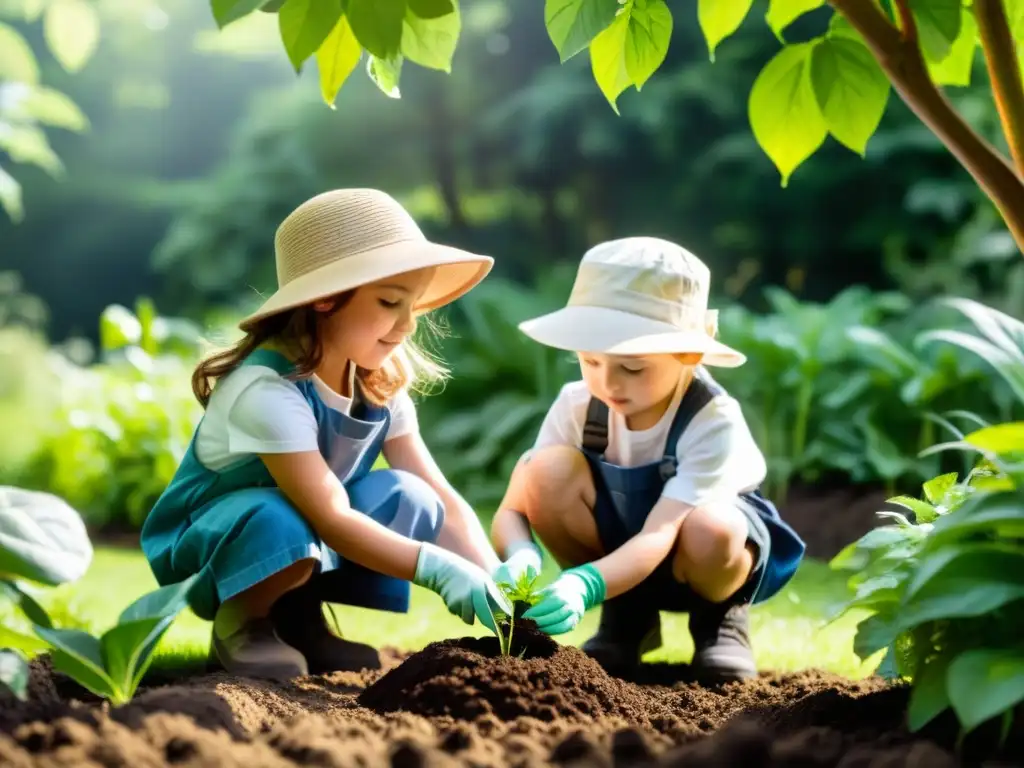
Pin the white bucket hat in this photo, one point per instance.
(340, 240)
(637, 296)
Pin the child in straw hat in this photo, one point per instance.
(643, 482)
(275, 504)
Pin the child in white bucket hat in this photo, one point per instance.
(276, 504)
(643, 482)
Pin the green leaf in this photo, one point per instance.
(999, 439)
(782, 13)
(955, 69)
(999, 516)
(608, 60)
(938, 26)
(28, 643)
(72, 32)
(336, 59)
(78, 655)
(377, 25)
(784, 112)
(305, 25)
(227, 11)
(17, 62)
(720, 19)
(42, 538)
(386, 75)
(985, 683)
(53, 108)
(431, 9)
(14, 673)
(935, 490)
(10, 197)
(647, 39)
(574, 24)
(873, 634)
(923, 511)
(431, 42)
(972, 581)
(28, 604)
(929, 697)
(28, 144)
(851, 89)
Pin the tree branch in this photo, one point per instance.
(1004, 73)
(905, 66)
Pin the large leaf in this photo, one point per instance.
(28, 144)
(305, 25)
(956, 68)
(17, 62)
(851, 89)
(573, 24)
(935, 490)
(377, 25)
(14, 673)
(784, 112)
(782, 13)
(973, 582)
(1000, 439)
(718, 20)
(929, 697)
(78, 655)
(874, 633)
(72, 32)
(938, 26)
(632, 48)
(227, 11)
(1000, 516)
(42, 539)
(431, 42)
(984, 683)
(336, 59)
(52, 108)
(432, 9)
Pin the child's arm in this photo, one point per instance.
(462, 531)
(310, 484)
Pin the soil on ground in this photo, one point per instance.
(459, 703)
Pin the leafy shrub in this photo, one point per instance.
(944, 585)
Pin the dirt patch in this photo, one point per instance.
(456, 703)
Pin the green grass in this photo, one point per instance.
(789, 631)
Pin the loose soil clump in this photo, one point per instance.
(459, 703)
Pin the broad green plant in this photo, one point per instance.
(837, 83)
(521, 595)
(944, 585)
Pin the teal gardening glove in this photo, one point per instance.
(465, 587)
(523, 558)
(564, 602)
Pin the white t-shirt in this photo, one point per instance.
(256, 410)
(718, 458)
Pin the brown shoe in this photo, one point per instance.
(624, 634)
(255, 650)
(298, 619)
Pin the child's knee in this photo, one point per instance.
(425, 508)
(711, 541)
(555, 478)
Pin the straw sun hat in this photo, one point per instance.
(340, 240)
(637, 296)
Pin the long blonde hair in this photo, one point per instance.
(297, 331)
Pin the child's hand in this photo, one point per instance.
(564, 602)
(524, 557)
(465, 587)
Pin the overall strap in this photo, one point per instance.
(702, 390)
(595, 429)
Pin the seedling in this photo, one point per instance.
(522, 595)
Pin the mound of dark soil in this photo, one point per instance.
(811, 719)
(467, 679)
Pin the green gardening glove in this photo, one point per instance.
(564, 602)
(465, 587)
(523, 558)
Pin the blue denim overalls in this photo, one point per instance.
(236, 528)
(626, 495)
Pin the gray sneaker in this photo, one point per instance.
(255, 650)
